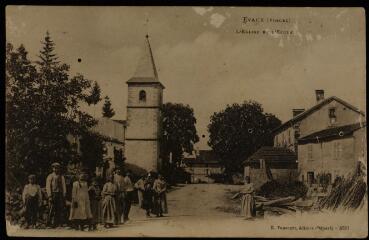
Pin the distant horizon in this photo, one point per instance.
(200, 58)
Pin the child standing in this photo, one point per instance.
(32, 200)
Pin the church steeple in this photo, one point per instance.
(146, 69)
(145, 99)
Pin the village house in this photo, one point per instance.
(326, 113)
(202, 165)
(271, 163)
(312, 137)
(113, 133)
(332, 152)
(322, 134)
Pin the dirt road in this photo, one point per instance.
(199, 210)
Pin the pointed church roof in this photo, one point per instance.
(146, 70)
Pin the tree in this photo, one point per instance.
(92, 150)
(238, 131)
(20, 117)
(42, 110)
(107, 109)
(95, 95)
(179, 133)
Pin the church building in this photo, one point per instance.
(145, 99)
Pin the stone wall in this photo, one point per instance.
(143, 154)
(109, 128)
(325, 160)
(143, 123)
(360, 144)
(258, 176)
(285, 175)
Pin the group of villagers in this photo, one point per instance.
(92, 203)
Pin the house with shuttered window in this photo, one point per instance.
(333, 151)
(328, 138)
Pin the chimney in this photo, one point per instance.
(297, 111)
(319, 95)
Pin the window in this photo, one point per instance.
(337, 150)
(310, 152)
(296, 128)
(142, 96)
(284, 140)
(332, 115)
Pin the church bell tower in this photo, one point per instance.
(145, 99)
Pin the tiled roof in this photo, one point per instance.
(337, 132)
(123, 122)
(111, 139)
(313, 109)
(272, 154)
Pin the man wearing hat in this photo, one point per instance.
(56, 191)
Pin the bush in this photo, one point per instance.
(218, 177)
(181, 176)
(14, 206)
(273, 189)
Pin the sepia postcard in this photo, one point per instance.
(178, 121)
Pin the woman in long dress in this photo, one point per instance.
(140, 186)
(247, 200)
(108, 205)
(147, 203)
(80, 211)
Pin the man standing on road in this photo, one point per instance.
(160, 198)
(128, 190)
(120, 197)
(56, 191)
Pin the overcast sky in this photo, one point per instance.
(201, 59)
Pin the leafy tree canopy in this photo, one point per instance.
(179, 132)
(238, 131)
